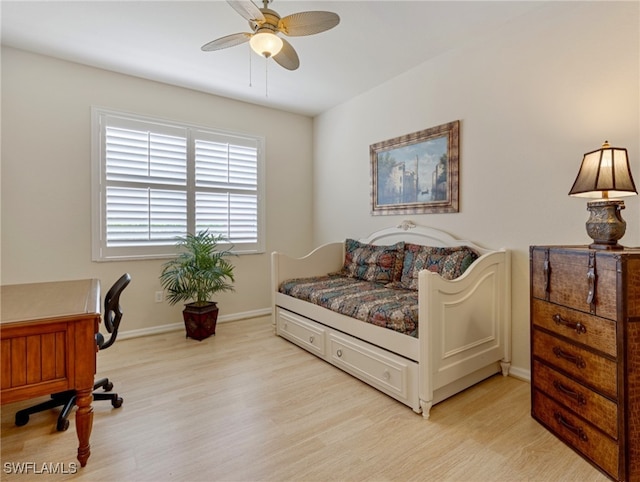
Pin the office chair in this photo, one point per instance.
(67, 399)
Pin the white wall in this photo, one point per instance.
(46, 173)
(532, 99)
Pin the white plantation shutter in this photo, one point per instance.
(144, 215)
(136, 155)
(143, 169)
(227, 186)
(232, 215)
(154, 181)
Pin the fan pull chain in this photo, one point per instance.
(250, 67)
(266, 77)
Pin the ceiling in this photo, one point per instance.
(160, 40)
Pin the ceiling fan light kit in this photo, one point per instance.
(266, 24)
(266, 44)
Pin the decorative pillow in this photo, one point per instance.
(379, 264)
(449, 262)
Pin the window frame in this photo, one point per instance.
(100, 251)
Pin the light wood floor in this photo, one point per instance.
(246, 405)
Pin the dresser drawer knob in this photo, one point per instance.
(579, 327)
(339, 353)
(577, 360)
(386, 375)
(576, 430)
(578, 397)
(311, 339)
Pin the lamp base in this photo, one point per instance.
(605, 224)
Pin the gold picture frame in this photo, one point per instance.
(416, 173)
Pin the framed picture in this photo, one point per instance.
(416, 173)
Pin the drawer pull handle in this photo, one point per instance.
(575, 359)
(547, 273)
(591, 279)
(386, 375)
(339, 353)
(576, 430)
(311, 339)
(578, 397)
(579, 327)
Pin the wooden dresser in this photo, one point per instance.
(585, 353)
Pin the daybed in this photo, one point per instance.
(463, 332)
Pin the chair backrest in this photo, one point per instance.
(112, 309)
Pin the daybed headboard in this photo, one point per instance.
(410, 232)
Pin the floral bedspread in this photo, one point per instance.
(393, 308)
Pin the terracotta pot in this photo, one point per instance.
(200, 321)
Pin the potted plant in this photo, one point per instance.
(199, 271)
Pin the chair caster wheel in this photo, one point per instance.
(22, 419)
(62, 425)
(117, 402)
(108, 387)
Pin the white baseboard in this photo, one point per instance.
(156, 330)
(520, 373)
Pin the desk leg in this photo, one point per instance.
(84, 423)
(85, 370)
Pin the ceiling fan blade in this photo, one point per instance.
(287, 57)
(307, 23)
(247, 9)
(226, 42)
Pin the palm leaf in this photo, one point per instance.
(199, 271)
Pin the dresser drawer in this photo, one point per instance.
(577, 433)
(589, 330)
(306, 333)
(599, 410)
(580, 279)
(593, 370)
(382, 370)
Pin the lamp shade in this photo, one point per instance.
(266, 43)
(604, 173)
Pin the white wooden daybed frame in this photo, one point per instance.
(464, 324)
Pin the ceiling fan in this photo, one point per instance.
(267, 24)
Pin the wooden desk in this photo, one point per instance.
(47, 345)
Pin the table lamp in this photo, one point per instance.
(605, 172)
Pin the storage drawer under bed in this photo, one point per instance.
(386, 372)
(390, 373)
(305, 333)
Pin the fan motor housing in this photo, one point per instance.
(271, 20)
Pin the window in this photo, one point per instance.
(155, 180)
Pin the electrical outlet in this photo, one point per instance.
(159, 296)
